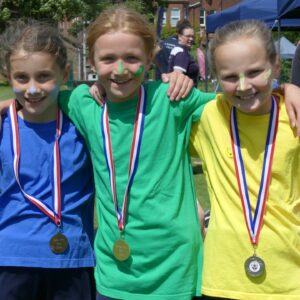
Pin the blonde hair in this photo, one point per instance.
(121, 18)
(239, 29)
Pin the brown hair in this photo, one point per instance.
(121, 18)
(32, 37)
(182, 25)
(239, 29)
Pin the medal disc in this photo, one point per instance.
(121, 250)
(254, 266)
(59, 243)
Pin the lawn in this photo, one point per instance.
(5, 92)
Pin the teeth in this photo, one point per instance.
(246, 97)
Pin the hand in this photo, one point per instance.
(201, 219)
(292, 104)
(98, 93)
(180, 85)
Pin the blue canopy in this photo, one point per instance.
(273, 12)
(289, 9)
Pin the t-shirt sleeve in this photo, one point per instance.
(77, 104)
(192, 106)
(181, 59)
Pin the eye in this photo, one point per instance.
(229, 78)
(21, 78)
(254, 73)
(132, 59)
(43, 77)
(107, 59)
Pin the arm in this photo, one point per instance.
(296, 67)
(292, 104)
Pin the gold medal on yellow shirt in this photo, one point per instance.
(59, 243)
(121, 250)
(254, 266)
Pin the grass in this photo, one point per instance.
(5, 92)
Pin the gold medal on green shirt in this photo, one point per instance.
(121, 250)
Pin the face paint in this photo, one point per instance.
(32, 90)
(139, 71)
(267, 74)
(121, 68)
(242, 81)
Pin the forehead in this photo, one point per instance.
(188, 31)
(240, 54)
(23, 61)
(120, 42)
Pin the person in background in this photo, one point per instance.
(296, 67)
(180, 59)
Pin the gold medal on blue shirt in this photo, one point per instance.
(59, 243)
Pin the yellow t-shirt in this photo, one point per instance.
(227, 244)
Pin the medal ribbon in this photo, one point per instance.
(254, 224)
(53, 214)
(134, 153)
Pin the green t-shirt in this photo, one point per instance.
(162, 226)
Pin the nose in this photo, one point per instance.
(120, 68)
(33, 89)
(243, 83)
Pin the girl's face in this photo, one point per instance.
(36, 79)
(121, 60)
(245, 74)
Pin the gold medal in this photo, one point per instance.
(59, 243)
(121, 250)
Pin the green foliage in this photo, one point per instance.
(285, 74)
(167, 32)
(59, 10)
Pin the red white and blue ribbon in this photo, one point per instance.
(254, 223)
(55, 213)
(134, 154)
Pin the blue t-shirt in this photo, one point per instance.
(162, 57)
(25, 231)
(181, 59)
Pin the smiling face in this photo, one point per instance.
(120, 59)
(187, 37)
(245, 74)
(36, 79)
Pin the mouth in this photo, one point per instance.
(35, 100)
(117, 81)
(247, 97)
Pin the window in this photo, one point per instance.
(202, 18)
(175, 16)
(164, 22)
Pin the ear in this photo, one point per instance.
(149, 62)
(276, 67)
(66, 73)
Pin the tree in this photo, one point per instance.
(80, 11)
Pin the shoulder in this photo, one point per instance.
(156, 87)
(177, 50)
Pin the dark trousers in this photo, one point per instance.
(18, 283)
